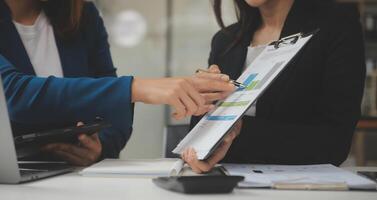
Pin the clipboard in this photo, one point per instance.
(208, 134)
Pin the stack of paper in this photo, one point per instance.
(146, 168)
(269, 175)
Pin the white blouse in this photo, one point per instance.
(39, 42)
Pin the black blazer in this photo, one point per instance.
(309, 113)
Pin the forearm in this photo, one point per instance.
(33, 100)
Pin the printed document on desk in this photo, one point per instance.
(135, 168)
(317, 175)
(257, 77)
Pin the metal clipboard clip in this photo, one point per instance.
(292, 39)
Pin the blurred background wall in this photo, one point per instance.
(155, 39)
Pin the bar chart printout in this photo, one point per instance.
(257, 77)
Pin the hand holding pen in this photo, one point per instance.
(189, 95)
(208, 80)
(235, 83)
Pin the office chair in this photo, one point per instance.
(173, 134)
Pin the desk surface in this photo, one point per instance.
(73, 186)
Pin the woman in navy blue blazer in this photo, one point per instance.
(78, 82)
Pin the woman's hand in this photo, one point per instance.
(183, 94)
(198, 166)
(87, 152)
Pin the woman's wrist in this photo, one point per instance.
(136, 93)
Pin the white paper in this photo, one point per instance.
(177, 168)
(213, 126)
(136, 167)
(267, 175)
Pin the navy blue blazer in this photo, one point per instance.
(90, 87)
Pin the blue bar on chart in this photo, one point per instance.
(222, 118)
(248, 81)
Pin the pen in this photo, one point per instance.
(237, 84)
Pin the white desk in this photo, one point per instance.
(73, 186)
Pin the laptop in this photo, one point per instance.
(14, 171)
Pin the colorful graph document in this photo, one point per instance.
(257, 77)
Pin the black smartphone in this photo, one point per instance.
(63, 135)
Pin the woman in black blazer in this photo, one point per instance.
(309, 113)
